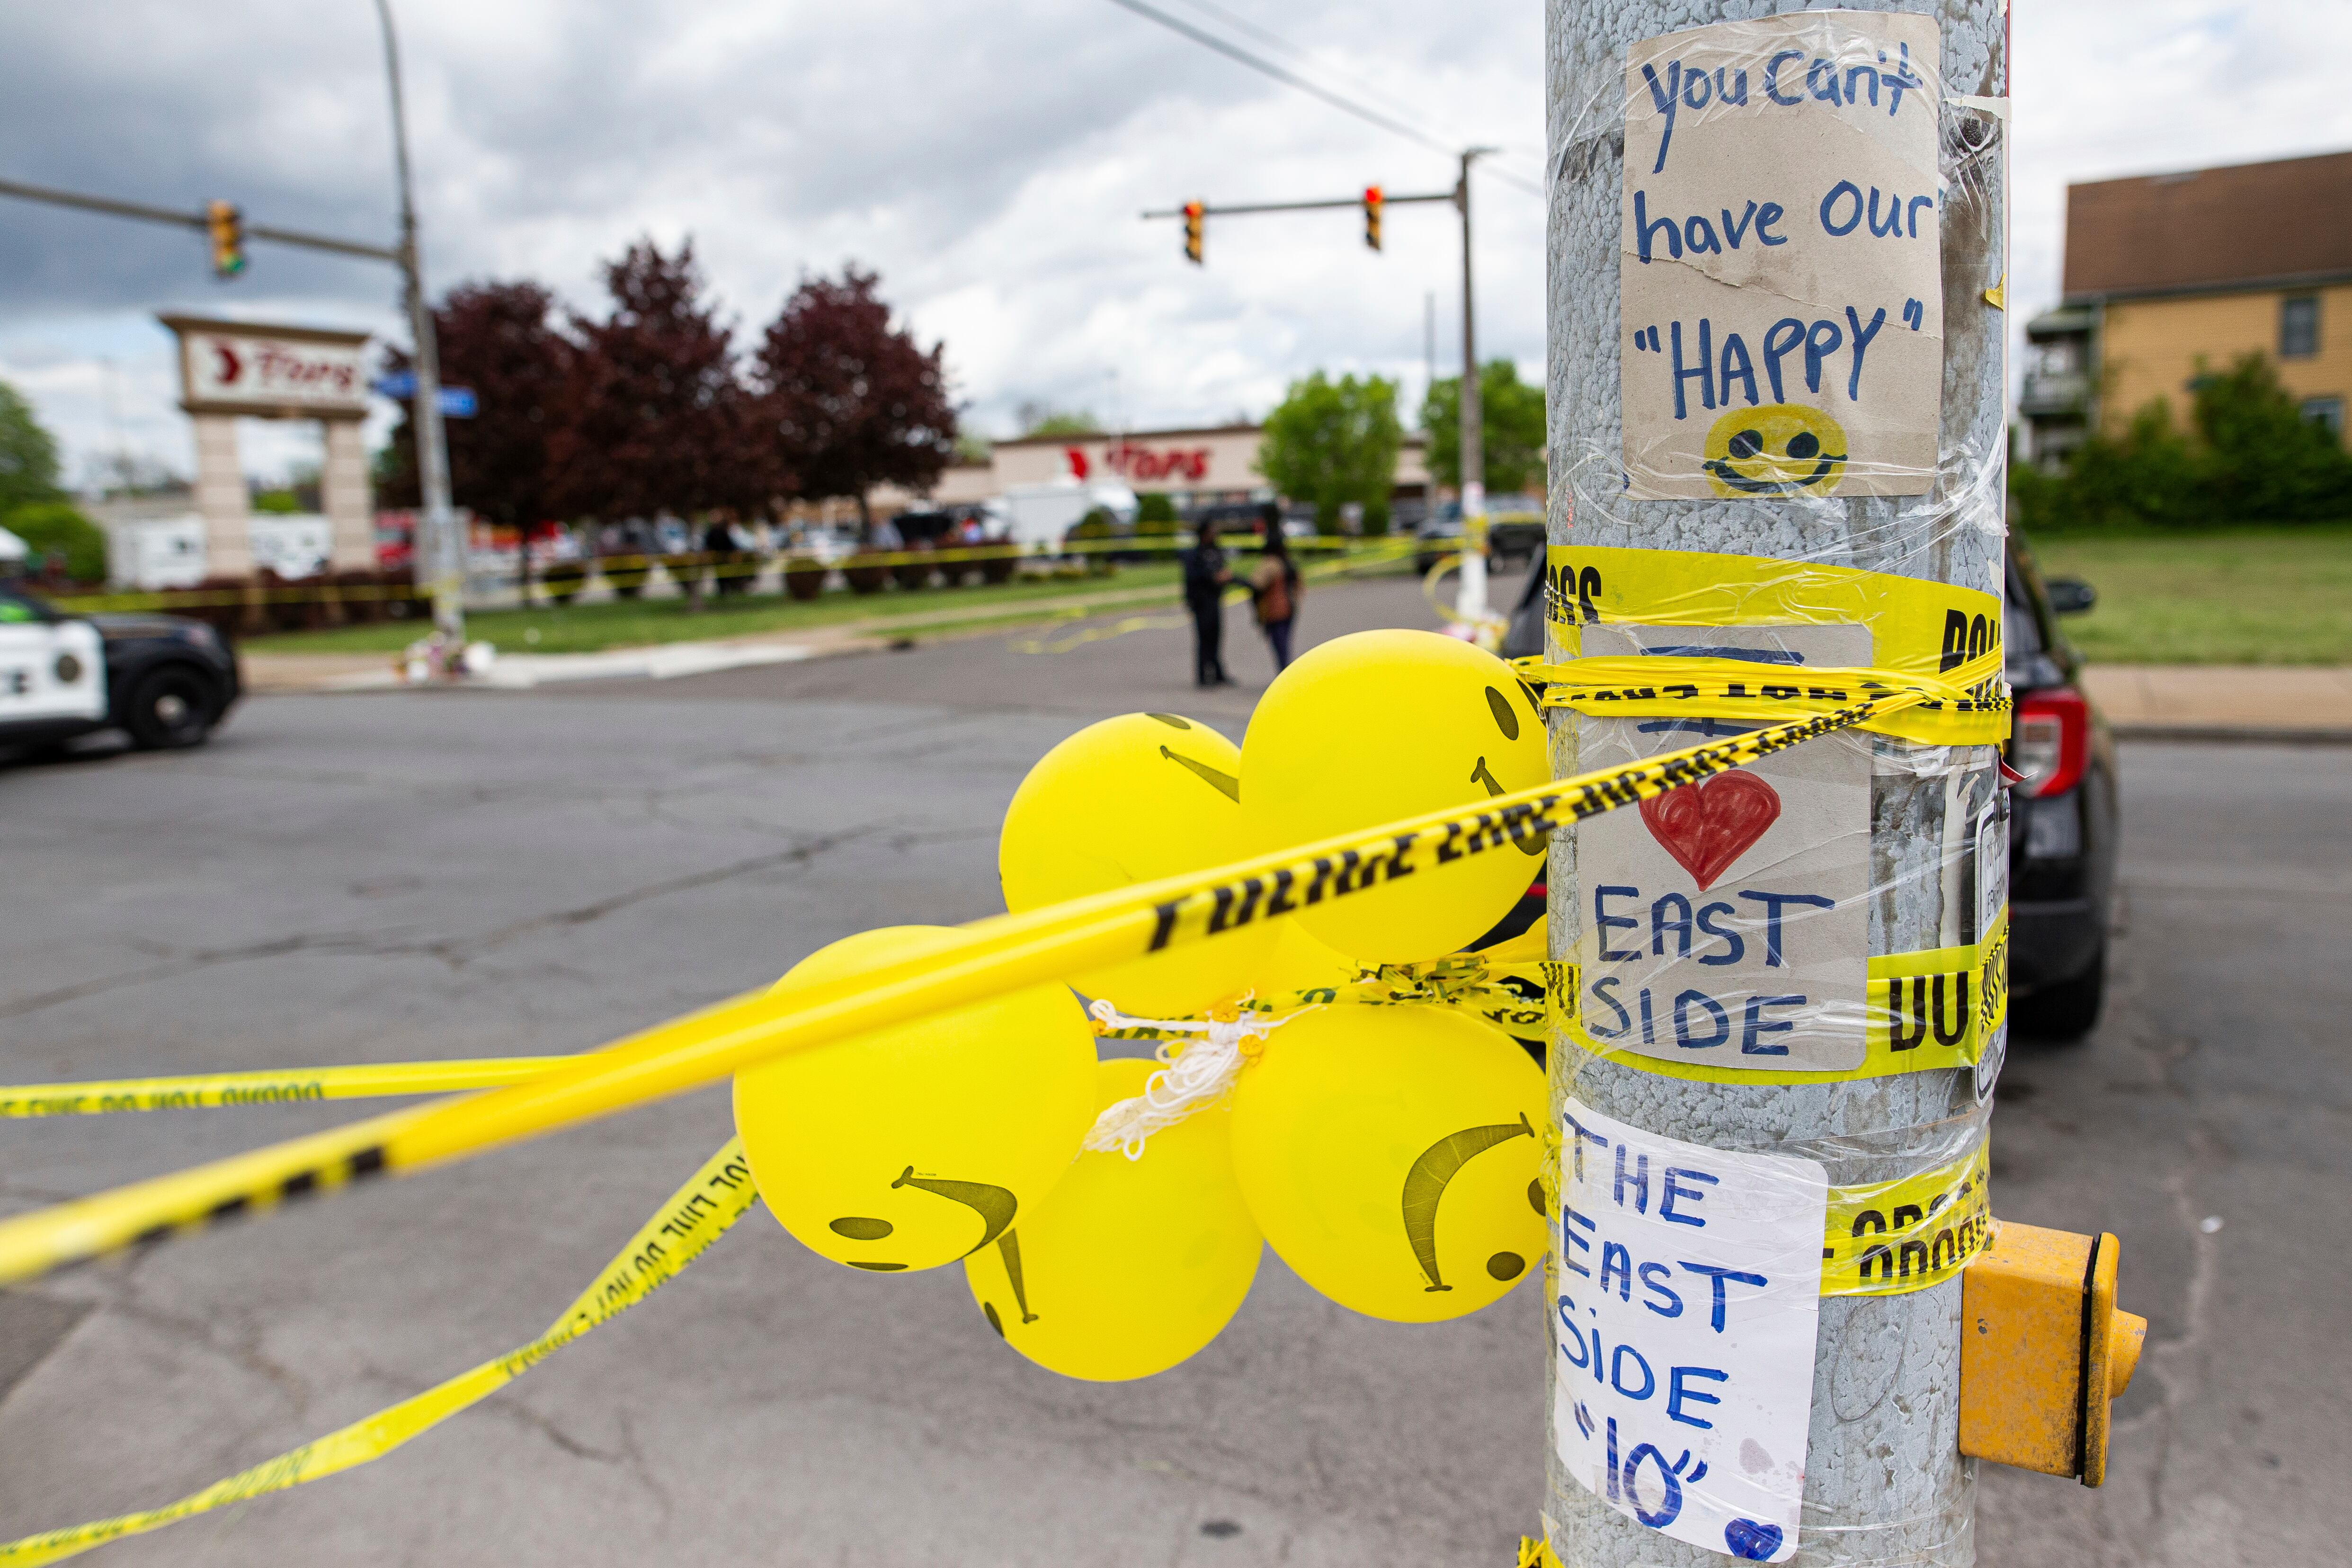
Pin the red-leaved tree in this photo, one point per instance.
(846, 403)
(658, 415)
(497, 340)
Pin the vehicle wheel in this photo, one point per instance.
(2066, 1011)
(172, 708)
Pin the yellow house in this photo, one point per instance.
(2170, 273)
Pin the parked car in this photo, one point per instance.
(164, 680)
(2063, 819)
(2062, 825)
(1515, 532)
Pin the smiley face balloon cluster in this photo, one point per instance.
(1388, 1154)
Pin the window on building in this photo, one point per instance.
(2299, 326)
(2328, 412)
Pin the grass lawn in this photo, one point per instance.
(632, 623)
(2255, 596)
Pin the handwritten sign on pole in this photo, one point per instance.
(1732, 928)
(1687, 1295)
(1782, 305)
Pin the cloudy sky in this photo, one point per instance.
(989, 160)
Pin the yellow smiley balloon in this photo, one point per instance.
(1130, 1266)
(1127, 799)
(1390, 1156)
(1375, 726)
(1780, 449)
(913, 1145)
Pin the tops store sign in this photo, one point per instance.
(271, 372)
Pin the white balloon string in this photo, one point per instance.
(1198, 1072)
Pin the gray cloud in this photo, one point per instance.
(989, 160)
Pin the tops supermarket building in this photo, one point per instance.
(1192, 467)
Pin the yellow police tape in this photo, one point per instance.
(994, 956)
(1933, 1008)
(1886, 1238)
(1919, 630)
(291, 1086)
(632, 571)
(714, 1198)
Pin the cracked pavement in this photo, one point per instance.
(391, 877)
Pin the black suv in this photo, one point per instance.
(2062, 818)
(167, 680)
(2063, 823)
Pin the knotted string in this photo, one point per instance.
(1196, 1072)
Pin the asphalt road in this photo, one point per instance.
(390, 877)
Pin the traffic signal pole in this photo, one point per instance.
(1471, 601)
(1882, 1478)
(440, 554)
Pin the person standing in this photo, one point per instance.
(1205, 576)
(1274, 587)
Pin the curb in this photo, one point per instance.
(2235, 734)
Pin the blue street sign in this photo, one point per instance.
(456, 402)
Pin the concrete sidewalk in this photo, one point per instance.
(2224, 702)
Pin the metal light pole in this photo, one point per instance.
(1470, 601)
(440, 549)
(1883, 1480)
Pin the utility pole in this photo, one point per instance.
(440, 553)
(1470, 601)
(1882, 1478)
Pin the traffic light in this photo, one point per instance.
(1373, 203)
(226, 226)
(1193, 216)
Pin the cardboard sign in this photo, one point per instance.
(1688, 1297)
(1783, 304)
(1732, 929)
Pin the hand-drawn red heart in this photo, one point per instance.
(1708, 824)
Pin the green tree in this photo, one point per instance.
(47, 526)
(1511, 415)
(1155, 515)
(1059, 422)
(2247, 456)
(1331, 442)
(29, 453)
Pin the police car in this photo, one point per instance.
(164, 680)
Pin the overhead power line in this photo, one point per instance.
(1282, 74)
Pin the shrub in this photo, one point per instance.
(1155, 516)
(998, 562)
(913, 573)
(562, 580)
(56, 525)
(868, 578)
(805, 576)
(2248, 456)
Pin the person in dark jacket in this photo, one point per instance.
(1205, 576)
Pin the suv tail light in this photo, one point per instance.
(2053, 740)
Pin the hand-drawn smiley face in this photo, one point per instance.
(1779, 449)
(909, 1146)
